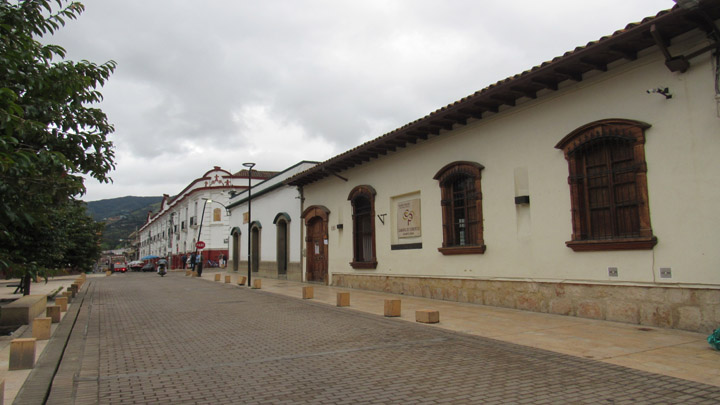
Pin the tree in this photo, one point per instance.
(50, 134)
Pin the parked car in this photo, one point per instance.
(136, 265)
(148, 267)
(121, 267)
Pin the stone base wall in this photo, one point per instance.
(269, 270)
(692, 309)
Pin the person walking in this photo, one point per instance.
(193, 261)
(183, 259)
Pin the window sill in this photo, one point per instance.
(612, 244)
(364, 265)
(462, 250)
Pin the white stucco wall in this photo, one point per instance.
(528, 242)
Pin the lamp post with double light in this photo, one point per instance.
(250, 167)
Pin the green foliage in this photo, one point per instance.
(122, 216)
(50, 135)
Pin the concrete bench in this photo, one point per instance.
(23, 310)
(308, 293)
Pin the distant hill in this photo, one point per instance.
(121, 216)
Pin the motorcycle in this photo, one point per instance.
(162, 268)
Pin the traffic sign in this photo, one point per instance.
(200, 245)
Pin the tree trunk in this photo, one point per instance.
(26, 284)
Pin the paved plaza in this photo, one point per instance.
(139, 338)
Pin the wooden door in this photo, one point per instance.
(317, 262)
(282, 247)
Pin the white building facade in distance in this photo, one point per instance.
(175, 229)
(274, 225)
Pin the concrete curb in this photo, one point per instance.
(36, 388)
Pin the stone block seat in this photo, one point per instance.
(23, 310)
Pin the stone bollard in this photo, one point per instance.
(22, 354)
(343, 299)
(41, 328)
(228, 280)
(242, 280)
(62, 303)
(217, 277)
(72, 293)
(308, 293)
(392, 307)
(427, 316)
(68, 295)
(108, 273)
(188, 272)
(257, 284)
(194, 274)
(53, 311)
(75, 288)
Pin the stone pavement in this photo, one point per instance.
(139, 338)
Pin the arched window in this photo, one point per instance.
(362, 199)
(608, 186)
(461, 200)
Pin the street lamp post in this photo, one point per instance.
(250, 167)
(202, 218)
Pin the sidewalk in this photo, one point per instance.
(16, 378)
(670, 352)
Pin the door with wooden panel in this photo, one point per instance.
(317, 261)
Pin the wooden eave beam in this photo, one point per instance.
(442, 124)
(548, 84)
(408, 138)
(488, 107)
(457, 118)
(505, 99)
(594, 64)
(417, 133)
(471, 113)
(524, 91)
(627, 53)
(570, 74)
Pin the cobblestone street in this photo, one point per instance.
(140, 338)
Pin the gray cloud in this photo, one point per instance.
(200, 84)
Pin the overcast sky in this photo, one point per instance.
(218, 83)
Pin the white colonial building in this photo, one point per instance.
(175, 229)
(274, 226)
(586, 186)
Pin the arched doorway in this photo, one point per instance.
(316, 243)
(235, 249)
(255, 247)
(281, 229)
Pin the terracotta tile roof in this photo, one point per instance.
(594, 56)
